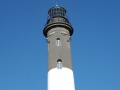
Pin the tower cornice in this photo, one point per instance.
(56, 23)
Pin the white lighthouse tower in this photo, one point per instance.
(58, 31)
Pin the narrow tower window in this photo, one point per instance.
(59, 64)
(58, 43)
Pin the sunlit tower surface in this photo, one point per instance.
(58, 31)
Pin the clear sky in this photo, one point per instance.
(95, 44)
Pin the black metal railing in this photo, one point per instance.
(58, 19)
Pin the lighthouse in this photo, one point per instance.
(58, 32)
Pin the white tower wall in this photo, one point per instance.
(61, 79)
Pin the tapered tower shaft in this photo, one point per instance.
(58, 31)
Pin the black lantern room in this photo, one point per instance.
(57, 11)
(57, 18)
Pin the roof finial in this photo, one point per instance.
(56, 3)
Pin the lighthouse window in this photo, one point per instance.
(58, 43)
(59, 64)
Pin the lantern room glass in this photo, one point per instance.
(57, 11)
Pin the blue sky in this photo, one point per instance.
(95, 44)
